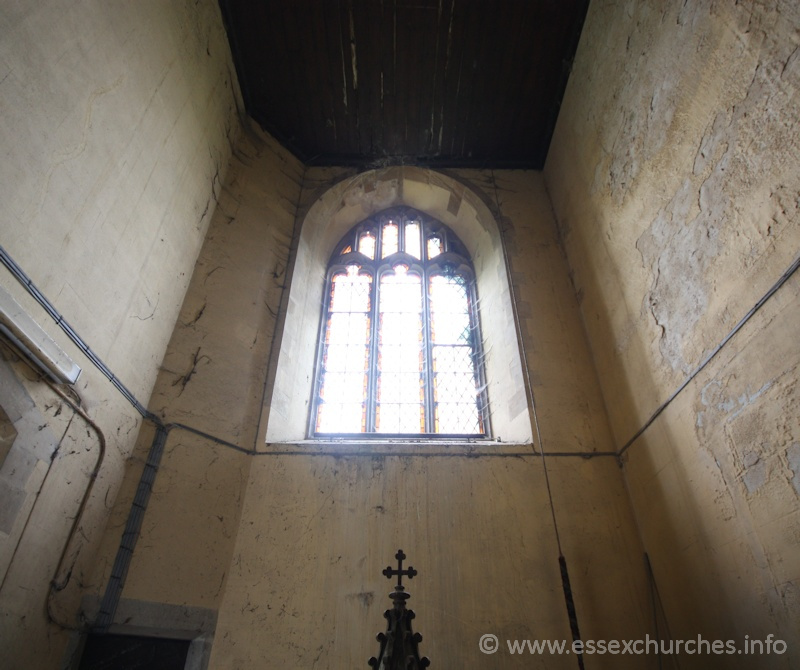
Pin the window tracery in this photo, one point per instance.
(400, 350)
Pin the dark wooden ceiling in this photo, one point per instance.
(471, 83)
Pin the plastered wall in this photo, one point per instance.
(675, 183)
(278, 553)
(668, 207)
(116, 124)
(209, 394)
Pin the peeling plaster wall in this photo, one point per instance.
(277, 553)
(294, 581)
(116, 122)
(123, 121)
(675, 181)
(305, 588)
(212, 383)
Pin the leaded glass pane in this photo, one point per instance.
(350, 292)
(366, 244)
(345, 355)
(455, 392)
(461, 419)
(450, 321)
(452, 359)
(390, 239)
(344, 387)
(400, 391)
(400, 419)
(456, 408)
(434, 246)
(341, 418)
(403, 388)
(399, 356)
(412, 239)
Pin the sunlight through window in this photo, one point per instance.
(401, 349)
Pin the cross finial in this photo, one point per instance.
(389, 572)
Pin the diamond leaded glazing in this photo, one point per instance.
(400, 353)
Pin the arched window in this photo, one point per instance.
(400, 347)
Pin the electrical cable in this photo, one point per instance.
(523, 355)
(56, 586)
(710, 356)
(31, 510)
(569, 600)
(76, 339)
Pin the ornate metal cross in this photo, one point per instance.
(389, 572)
(399, 644)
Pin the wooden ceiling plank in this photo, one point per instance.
(347, 18)
(433, 64)
(560, 38)
(466, 117)
(249, 24)
(321, 94)
(407, 110)
(276, 61)
(427, 63)
(441, 72)
(471, 82)
(333, 68)
(506, 99)
(366, 19)
(299, 77)
(523, 58)
(390, 101)
(451, 81)
(420, 48)
(504, 92)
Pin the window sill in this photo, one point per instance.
(400, 447)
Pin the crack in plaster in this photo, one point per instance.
(78, 148)
(793, 460)
(186, 378)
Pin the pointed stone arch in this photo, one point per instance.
(332, 214)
